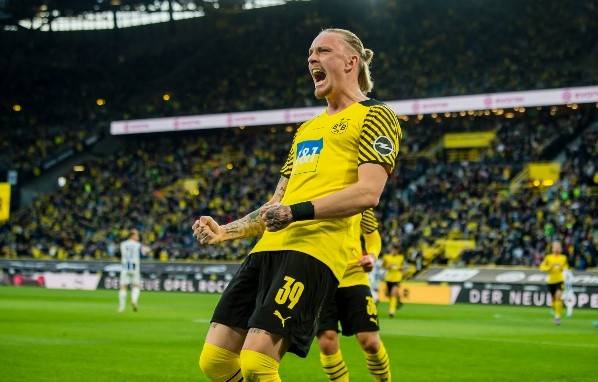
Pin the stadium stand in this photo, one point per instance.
(60, 88)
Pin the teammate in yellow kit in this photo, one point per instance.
(393, 264)
(355, 309)
(555, 263)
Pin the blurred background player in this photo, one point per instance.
(355, 308)
(130, 272)
(376, 276)
(568, 294)
(393, 264)
(555, 263)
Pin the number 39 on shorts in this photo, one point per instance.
(290, 292)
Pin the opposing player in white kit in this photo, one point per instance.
(130, 273)
(568, 295)
(376, 276)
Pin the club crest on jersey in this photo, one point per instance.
(308, 155)
(383, 146)
(340, 127)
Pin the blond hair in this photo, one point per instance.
(366, 84)
(557, 247)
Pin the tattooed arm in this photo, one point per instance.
(207, 231)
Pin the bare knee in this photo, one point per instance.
(328, 341)
(369, 341)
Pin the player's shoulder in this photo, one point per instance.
(371, 102)
(375, 106)
(380, 116)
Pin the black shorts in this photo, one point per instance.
(282, 292)
(354, 308)
(556, 286)
(390, 285)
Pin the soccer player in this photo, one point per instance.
(376, 276)
(336, 168)
(555, 263)
(568, 294)
(393, 264)
(130, 272)
(355, 308)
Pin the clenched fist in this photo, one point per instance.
(276, 216)
(207, 231)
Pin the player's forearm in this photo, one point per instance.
(373, 243)
(356, 198)
(544, 267)
(347, 202)
(248, 226)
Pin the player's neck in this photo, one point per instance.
(341, 101)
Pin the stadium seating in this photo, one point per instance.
(68, 85)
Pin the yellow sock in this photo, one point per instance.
(334, 367)
(379, 364)
(258, 367)
(220, 365)
(392, 305)
(558, 308)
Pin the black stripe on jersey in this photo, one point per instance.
(369, 223)
(380, 120)
(366, 149)
(367, 154)
(385, 118)
(371, 102)
(287, 167)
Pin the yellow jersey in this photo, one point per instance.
(368, 227)
(555, 264)
(393, 263)
(324, 157)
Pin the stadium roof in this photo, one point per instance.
(42, 14)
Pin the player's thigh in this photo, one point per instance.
(226, 337)
(390, 287)
(136, 279)
(125, 279)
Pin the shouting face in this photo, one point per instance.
(330, 60)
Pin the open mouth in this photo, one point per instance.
(318, 75)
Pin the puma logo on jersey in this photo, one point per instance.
(277, 314)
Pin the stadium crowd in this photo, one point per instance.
(144, 186)
(428, 197)
(126, 73)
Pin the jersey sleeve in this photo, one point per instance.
(373, 243)
(545, 265)
(380, 137)
(369, 223)
(287, 167)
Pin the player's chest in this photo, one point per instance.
(327, 134)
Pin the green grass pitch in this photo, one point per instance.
(59, 335)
